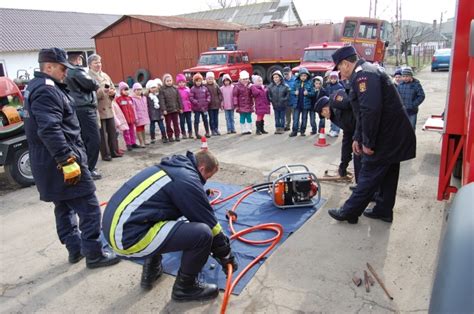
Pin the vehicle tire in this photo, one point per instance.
(19, 169)
(11, 130)
(272, 69)
(142, 76)
(260, 71)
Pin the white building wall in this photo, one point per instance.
(14, 61)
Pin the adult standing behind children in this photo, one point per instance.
(278, 94)
(200, 99)
(82, 88)
(290, 82)
(185, 116)
(227, 89)
(303, 90)
(412, 94)
(154, 110)
(243, 102)
(108, 135)
(215, 104)
(262, 104)
(171, 107)
(59, 161)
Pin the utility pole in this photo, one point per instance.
(397, 36)
(370, 8)
(375, 9)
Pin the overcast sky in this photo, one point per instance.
(309, 10)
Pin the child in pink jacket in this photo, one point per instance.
(185, 116)
(227, 103)
(141, 112)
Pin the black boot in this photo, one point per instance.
(259, 129)
(188, 288)
(152, 270)
(262, 127)
(196, 131)
(206, 127)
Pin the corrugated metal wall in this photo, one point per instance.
(133, 44)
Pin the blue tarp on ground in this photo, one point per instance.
(256, 209)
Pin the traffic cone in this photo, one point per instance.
(321, 142)
(203, 143)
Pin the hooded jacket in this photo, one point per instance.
(412, 95)
(144, 212)
(216, 96)
(243, 101)
(262, 105)
(307, 86)
(279, 94)
(227, 94)
(200, 98)
(169, 99)
(184, 93)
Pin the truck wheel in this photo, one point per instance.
(272, 69)
(260, 71)
(142, 76)
(19, 169)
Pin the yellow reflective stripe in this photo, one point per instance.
(127, 200)
(145, 241)
(217, 228)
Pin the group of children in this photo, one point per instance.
(178, 110)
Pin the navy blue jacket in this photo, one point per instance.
(382, 122)
(307, 86)
(412, 95)
(291, 83)
(181, 193)
(317, 95)
(54, 135)
(331, 88)
(82, 88)
(342, 116)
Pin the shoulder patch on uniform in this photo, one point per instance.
(358, 69)
(49, 82)
(362, 86)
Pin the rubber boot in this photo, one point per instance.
(262, 128)
(196, 131)
(188, 288)
(257, 126)
(206, 127)
(152, 270)
(249, 127)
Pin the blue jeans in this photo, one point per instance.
(185, 119)
(87, 239)
(229, 119)
(296, 120)
(214, 119)
(280, 117)
(312, 121)
(161, 125)
(412, 119)
(335, 128)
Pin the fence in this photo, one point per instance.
(421, 56)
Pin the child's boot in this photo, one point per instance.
(257, 126)
(262, 129)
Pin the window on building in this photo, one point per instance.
(349, 29)
(225, 38)
(368, 30)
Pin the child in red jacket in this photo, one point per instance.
(126, 105)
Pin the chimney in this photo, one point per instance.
(434, 24)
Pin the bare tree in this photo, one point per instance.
(231, 3)
(411, 35)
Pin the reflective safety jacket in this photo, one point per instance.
(148, 208)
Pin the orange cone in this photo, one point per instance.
(321, 142)
(203, 143)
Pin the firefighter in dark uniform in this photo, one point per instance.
(338, 109)
(59, 163)
(383, 137)
(164, 208)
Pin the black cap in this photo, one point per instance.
(321, 103)
(286, 70)
(54, 55)
(341, 54)
(339, 97)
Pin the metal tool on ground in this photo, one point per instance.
(294, 186)
(336, 177)
(366, 282)
(321, 142)
(372, 270)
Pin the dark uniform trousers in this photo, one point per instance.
(195, 240)
(88, 210)
(347, 155)
(90, 135)
(374, 178)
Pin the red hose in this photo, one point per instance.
(277, 228)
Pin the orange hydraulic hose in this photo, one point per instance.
(277, 228)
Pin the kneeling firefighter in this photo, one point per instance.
(144, 219)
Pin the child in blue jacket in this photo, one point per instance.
(332, 86)
(412, 94)
(304, 91)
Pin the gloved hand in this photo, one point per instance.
(71, 171)
(222, 253)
